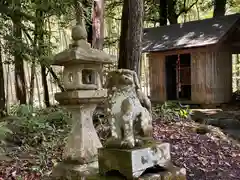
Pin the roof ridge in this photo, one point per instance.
(200, 20)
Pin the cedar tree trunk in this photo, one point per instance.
(131, 35)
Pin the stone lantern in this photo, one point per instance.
(82, 79)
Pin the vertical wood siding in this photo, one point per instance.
(157, 77)
(211, 77)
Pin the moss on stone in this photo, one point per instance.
(148, 142)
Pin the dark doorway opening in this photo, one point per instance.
(178, 77)
(171, 77)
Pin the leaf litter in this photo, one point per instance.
(205, 156)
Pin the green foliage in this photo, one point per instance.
(151, 12)
(4, 131)
(36, 126)
(170, 111)
(39, 135)
(60, 11)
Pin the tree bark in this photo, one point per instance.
(2, 90)
(33, 68)
(88, 19)
(98, 24)
(219, 8)
(172, 15)
(31, 93)
(131, 35)
(45, 86)
(20, 82)
(41, 49)
(55, 77)
(163, 12)
(237, 71)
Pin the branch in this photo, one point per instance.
(185, 10)
(55, 77)
(184, 4)
(12, 13)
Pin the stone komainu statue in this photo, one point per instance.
(128, 110)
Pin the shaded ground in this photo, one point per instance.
(227, 119)
(205, 157)
(28, 163)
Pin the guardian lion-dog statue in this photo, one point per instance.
(128, 110)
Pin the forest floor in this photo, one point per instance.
(206, 156)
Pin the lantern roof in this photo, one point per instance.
(80, 51)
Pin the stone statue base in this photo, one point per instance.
(67, 171)
(71, 171)
(131, 163)
(90, 172)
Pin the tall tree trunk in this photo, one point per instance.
(20, 82)
(88, 22)
(172, 15)
(98, 24)
(131, 35)
(31, 94)
(237, 71)
(163, 12)
(2, 90)
(219, 8)
(33, 68)
(40, 40)
(45, 86)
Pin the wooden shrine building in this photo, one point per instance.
(192, 62)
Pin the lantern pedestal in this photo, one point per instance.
(83, 141)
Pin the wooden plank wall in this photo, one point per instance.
(157, 77)
(211, 77)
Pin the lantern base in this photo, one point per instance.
(79, 97)
(70, 171)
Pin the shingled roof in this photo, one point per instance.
(188, 35)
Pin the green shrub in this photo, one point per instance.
(170, 111)
(34, 126)
(4, 130)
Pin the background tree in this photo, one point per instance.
(219, 7)
(20, 82)
(88, 10)
(27, 49)
(163, 12)
(98, 24)
(177, 7)
(39, 30)
(2, 87)
(131, 35)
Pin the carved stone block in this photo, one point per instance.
(83, 77)
(133, 162)
(83, 141)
